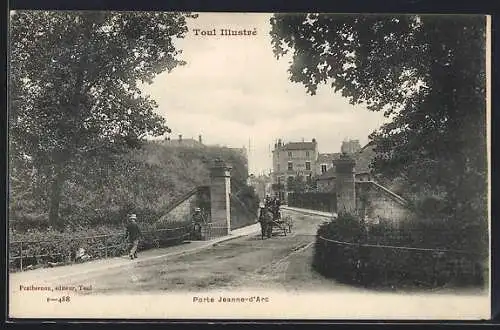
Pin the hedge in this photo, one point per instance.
(341, 253)
(42, 246)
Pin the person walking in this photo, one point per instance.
(133, 233)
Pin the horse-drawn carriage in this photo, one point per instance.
(282, 223)
(271, 220)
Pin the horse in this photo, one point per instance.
(266, 224)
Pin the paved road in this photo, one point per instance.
(281, 262)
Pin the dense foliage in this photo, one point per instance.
(340, 253)
(145, 181)
(426, 72)
(74, 95)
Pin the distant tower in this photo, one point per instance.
(350, 146)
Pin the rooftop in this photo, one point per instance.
(299, 146)
(363, 159)
(328, 157)
(184, 142)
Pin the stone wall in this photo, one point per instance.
(319, 201)
(241, 216)
(376, 203)
(184, 210)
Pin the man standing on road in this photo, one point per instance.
(197, 222)
(133, 233)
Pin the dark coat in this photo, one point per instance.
(133, 231)
(265, 215)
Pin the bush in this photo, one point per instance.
(42, 246)
(383, 266)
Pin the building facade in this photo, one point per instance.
(303, 161)
(325, 162)
(362, 157)
(292, 160)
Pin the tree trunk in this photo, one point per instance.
(55, 198)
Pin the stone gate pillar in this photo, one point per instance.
(344, 184)
(220, 188)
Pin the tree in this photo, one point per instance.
(427, 73)
(296, 184)
(74, 91)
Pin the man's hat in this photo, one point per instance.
(132, 216)
(261, 205)
(197, 209)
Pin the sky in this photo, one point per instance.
(234, 92)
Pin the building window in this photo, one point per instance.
(290, 154)
(289, 180)
(323, 168)
(290, 166)
(308, 166)
(307, 154)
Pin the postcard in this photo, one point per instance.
(250, 166)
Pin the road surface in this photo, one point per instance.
(248, 262)
(281, 262)
(280, 265)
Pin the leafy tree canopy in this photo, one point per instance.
(426, 72)
(74, 85)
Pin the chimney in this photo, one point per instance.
(314, 140)
(199, 138)
(180, 137)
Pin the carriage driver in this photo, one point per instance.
(268, 201)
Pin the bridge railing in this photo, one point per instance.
(213, 230)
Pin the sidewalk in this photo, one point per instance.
(109, 263)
